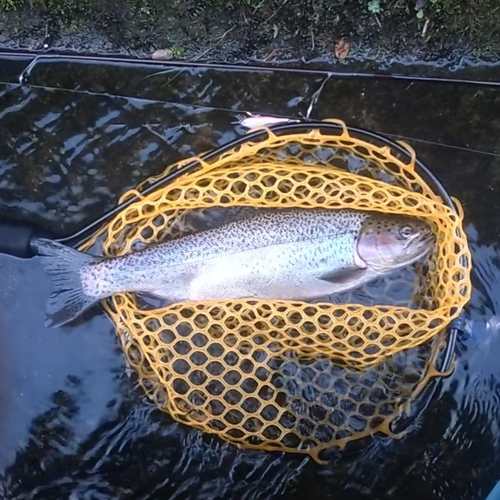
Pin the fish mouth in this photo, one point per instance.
(425, 243)
(420, 249)
(413, 252)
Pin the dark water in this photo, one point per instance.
(72, 424)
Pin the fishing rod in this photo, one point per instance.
(55, 57)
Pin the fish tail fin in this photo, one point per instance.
(63, 264)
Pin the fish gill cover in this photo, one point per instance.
(289, 375)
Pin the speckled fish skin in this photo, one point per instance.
(294, 254)
(263, 256)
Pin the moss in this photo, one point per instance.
(177, 51)
(8, 5)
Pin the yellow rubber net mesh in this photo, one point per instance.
(290, 375)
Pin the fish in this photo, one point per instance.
(282, 254)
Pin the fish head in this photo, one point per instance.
(388, 242)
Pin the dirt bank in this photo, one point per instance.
(244, 30)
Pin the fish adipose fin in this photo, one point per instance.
(63, 265)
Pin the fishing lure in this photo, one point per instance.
(254, 121)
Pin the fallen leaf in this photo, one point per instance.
(162, 54)
(342, 48)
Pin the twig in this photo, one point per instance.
(275, 12)
(426, 26)
(270, 55)
(198, 57)
(220, 39)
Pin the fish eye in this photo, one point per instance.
(406, 231)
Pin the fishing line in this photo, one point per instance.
(433, 143)
(235, 112)
(316, 95)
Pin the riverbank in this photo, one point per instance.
(258, 30)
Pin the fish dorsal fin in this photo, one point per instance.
(345, 275)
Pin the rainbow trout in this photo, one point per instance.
(289, 254)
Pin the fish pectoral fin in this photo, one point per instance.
(346, 275)
(150, 300)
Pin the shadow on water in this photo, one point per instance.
(73, 425)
